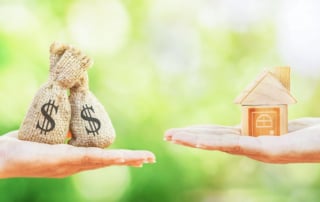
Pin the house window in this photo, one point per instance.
(264, 121)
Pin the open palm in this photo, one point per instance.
(31, 159)
(301, 144)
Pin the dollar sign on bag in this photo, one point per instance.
(48, 123)
(93, 122)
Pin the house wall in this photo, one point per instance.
(283, 118)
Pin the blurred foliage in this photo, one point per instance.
(166, 70)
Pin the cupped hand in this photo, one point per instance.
(31, 159)
(300, 145)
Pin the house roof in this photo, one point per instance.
(265, 90)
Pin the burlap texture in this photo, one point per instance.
(47, 120)
(90, 123)
(56, 51)
(71, 67)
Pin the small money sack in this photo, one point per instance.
(90, 124)
(47, 120)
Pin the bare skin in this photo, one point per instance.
(300, 145)
(30, 159)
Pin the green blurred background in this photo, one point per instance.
(162, 64)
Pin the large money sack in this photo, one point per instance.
(47, 120)
(90, 123)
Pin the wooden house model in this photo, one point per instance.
(265, 102)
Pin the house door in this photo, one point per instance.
(264, 121)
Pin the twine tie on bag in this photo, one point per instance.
(90, 124)
(48, 118)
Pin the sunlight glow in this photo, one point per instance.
(298, 32)
(174, 40)
(99, 26)
(16, 17)
(231, 14)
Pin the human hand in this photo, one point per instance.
(20, 158)
(300, 145)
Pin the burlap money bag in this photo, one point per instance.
(47, 120)
(90, 123)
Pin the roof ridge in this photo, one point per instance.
(249, 88)
(253, 85)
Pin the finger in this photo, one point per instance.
(94, 158)
(203, 130)
(226, 142)
(114, 157)
(212, 126)
(67, 171)
(91, 166)
(131, 155)
(66, 155)
(206, 129)
(263, 146)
